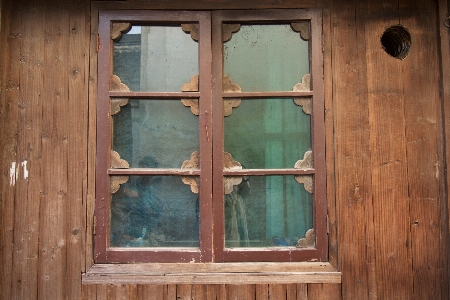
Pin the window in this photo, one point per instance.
(210, 137)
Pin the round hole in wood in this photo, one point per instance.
(396, 41)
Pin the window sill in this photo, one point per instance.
(212, 273)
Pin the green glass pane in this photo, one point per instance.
(267, 133)
(266, 58)
(154, 211)
(155, 133)
(267, 211)
(155, 58)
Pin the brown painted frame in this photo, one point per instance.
(211, 191)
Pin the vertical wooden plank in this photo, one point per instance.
(11, 39)
(262, 291)
(244, 291)
(324, 291)
(200, 292)
(218, 291)
(423, 147)
(171, 292)
(302, 291)
(277, 292)
(91, 151)
(77, 145)
(389, 158)
(329, 137)
(122, 292)
(102, 292)
(54, 175)
(150, 292)
(352, 151)
(184, 292)
(88, 292)
(27, 155)
(444, 31)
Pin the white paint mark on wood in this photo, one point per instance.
(12, 174)
(25, 171)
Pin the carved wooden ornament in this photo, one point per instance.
(191, 29)
(192, 181)
(306, 162)
(306, 180)
(228, 30)
(305, 85)
(305, 103)
(116, 181)
(116, 85)
(303, 28)
(230, 182)
(228, 86)
(229, 104)
(191, 86)
(118, 28)
(308, 241)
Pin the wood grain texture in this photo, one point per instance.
(10, 54)
(386, 97)
(423, 137)
(352, 149)
(444, 32)
(324, 292)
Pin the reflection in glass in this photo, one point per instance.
(267, 133)
(154, 211)
(267, 211)
(266, 58)
(164, 130)
(155, 58)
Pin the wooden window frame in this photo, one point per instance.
(211, 245)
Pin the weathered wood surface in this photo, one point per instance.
(388, 210)
(213, 292)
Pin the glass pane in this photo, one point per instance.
(267, 133)
(155, 133)
(154, 211)
(267, 211)
(155, 58)
(266, 58)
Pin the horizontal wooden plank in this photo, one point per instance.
(224, 273)
(167, 268)
(209, 4)
(216, 278)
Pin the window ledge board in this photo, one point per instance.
(212, 273)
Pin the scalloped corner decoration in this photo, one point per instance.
(116, 182)
(305, 85)
(307, 181)
(309, 241)
(192, 163)
(116, 85)
(228, 30)
(305, 103)
(191, 86)
(117, 162)
(118, 28)
(306, 162)
(229, 104)
(230, 182)
(303, 28)
(191, 29)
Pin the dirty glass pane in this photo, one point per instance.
(155, 133)
(154, 211)
(266, 58)
(267, 133)
(267, 211)
(155, 58)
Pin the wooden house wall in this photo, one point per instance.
(386, 162)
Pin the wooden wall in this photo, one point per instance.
(387, 181)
